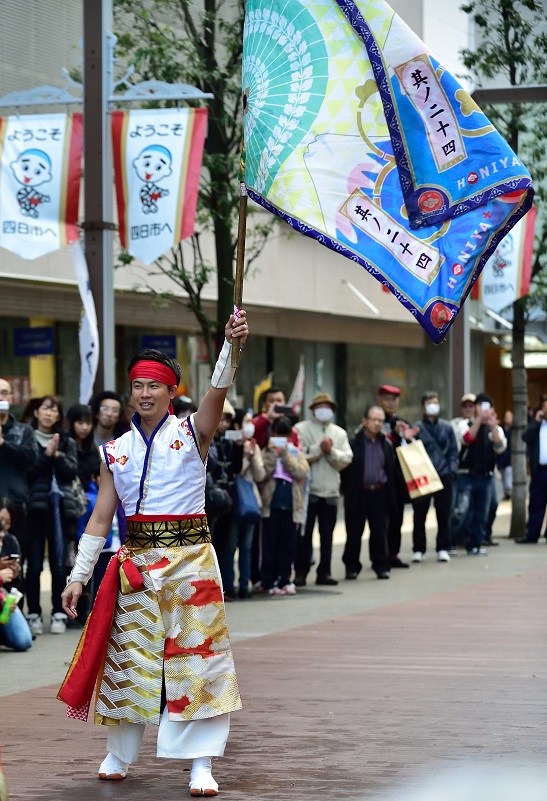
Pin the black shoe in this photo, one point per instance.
(383, 574)
(243, 594)
(490, 543)
(526, 541)
(396, 562)
(299, 581)
(326, 581)
(351, 576)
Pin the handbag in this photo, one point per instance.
(248, 510)
(80, 498)
(217, 499)
(420, 476)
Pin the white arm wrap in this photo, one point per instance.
(88, 553)
(224, 372)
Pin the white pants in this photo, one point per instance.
(177, 739)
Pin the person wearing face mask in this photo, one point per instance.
(18, 450)
(240, 533)
(326, 447)
(439, 441)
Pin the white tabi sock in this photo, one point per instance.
(113, 768)
(201, 778)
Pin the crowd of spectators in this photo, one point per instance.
(271, 478)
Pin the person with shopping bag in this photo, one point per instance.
(437, 436)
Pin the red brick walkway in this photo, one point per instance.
(343, 708)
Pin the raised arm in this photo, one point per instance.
(209, 413)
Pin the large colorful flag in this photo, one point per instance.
(157, 165)
(358, 137)
(507, 274)
(40, 170)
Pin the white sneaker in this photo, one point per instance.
(418, 556)
(35, 624)
(443, 556)
(113, 769)
(290, 589)
(58, 623)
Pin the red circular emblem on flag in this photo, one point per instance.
(457, 269)
(430, 201)
(440, 315)
(472, 178)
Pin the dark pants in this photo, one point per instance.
(324, 510)
(537, 504)
(371, 506)
(443, 505)
(396, 512)
(278, 547)
(476, 491)
(41, 529)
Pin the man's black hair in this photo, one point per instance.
(281, 427)
(182, 405)
(372, 406)
(429, 395)
(152, 355)
(267, 392)
(483, 397)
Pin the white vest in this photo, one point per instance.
(164, 475)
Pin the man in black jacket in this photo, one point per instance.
(367, 486)
(535, 438)
(18, 451)
(439, 441)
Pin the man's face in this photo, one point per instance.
(150, 398)
(225, 423)
(5, 394)
(273, 399)
(109, 412)
(389, 403)
(468, 410)
(374, 421)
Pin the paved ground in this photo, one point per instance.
(350, 692)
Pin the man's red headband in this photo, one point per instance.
(155, 371)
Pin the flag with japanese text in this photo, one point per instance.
(88, 334)
(507, 273)
(40, 171)
(157, 166)
(356, 135)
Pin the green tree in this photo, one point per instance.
(199, 42)
(511, 48)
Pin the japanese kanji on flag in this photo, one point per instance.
(357, 136)
(157, 165)
(40, 171)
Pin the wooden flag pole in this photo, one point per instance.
(240, 262)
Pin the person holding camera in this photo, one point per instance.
(327, 449)
(272, 408)
(482, 442)
(18, 451)
(14, 631)
(535, 438)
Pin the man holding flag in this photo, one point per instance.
(156, 643)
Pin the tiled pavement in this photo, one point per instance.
(348, 692)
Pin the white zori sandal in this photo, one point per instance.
(201, 779)
(113, 769)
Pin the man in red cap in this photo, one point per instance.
(156, 644)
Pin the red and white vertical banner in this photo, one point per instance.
(157, 165)
(507, 273)
(296, 400)
(40, 171)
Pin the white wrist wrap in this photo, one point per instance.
(88, 553)
(224, 372)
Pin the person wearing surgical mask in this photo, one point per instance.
(440, 443)
(240, 534)
(327, 449)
